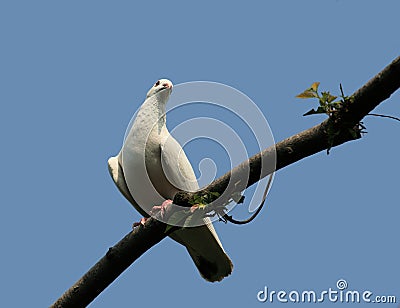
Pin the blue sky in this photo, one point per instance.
(73, 73)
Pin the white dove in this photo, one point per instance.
(151, 167)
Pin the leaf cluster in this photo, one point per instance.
(330, 106)
(327, 103)
(204, 199)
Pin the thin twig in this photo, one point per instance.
(246, 221)
(383, 116)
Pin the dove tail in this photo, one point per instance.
(212, 270)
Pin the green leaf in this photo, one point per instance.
(310, 92)
(315, 86)
(327, 98)
(307, 94)
(331, 98)
(201, 205)
(215, 194)
(315, 111)
(196, 200)
(312, 111)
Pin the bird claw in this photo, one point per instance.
(140, 223)
(161, 208)
(194, 207)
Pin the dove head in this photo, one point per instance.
(162, 87)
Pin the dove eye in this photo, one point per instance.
(157, 83)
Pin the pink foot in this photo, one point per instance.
(160, 208)
(140, 223)
(193, 208)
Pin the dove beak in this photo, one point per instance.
(167, 86)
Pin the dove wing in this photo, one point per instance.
(202, 242)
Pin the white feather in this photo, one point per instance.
(152, 167)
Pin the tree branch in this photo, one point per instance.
(117, 259)
(314, 139)
(288, 151)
